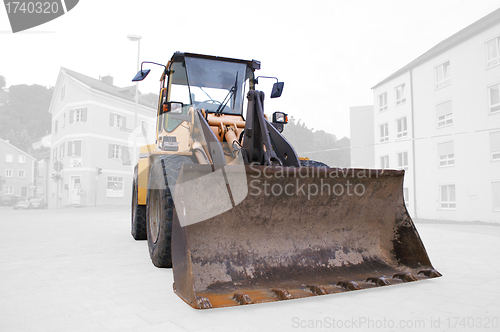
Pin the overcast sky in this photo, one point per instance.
(328, 53)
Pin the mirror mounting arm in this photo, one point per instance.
(143, 73)
(277, 87)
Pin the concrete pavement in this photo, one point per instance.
(80, 270)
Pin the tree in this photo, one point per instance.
(26, 117)
(3, 82)
(2, 182)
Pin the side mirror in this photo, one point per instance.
(173, 107)
(277, 89)
(141, 75)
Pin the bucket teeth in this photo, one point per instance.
(282, 293)
(203, 303)
(379, 281)
(349, 285)
(406, 277)
(317, 289)
(242, 298)
(430, 273)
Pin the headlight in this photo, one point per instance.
(280, 117)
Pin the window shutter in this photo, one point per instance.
(84, 115)
(124, 123)
(70, 147)
(71, 115)
(125, 156)
(443, 108)
(445, 148)
(110, 150)
(111, 119)
(496, 195)
(78, 148)
(495, 141)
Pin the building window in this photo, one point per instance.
(78, 115)
(54, 154)
(64, 119)
(402, 127)
(117, 121)
(446, 154)
(448, 200)
(21, 174)
(9, 190)
(114, 186)
(382, 102)
(21, 159)
(406, 196)
(442, 75)
(400, 94)
(495, 188)
(384, 162)
(115, 151)
(494, 98)
(9, 158)
(384, 132)
(495, 145)
(444, 114)
(75, 148)
(493, 52)
(403, 160)
(55, 127)
(8, 173)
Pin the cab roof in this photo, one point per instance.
(179, 56)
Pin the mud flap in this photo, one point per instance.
(298, 232)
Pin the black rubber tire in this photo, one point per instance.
(312, 163)
(138, 215)
(160, 207)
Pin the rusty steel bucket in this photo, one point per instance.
(297, 232)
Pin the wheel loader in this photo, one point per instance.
(223, 199)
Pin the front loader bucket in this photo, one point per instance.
(299, 232)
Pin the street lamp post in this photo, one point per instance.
(138, 40)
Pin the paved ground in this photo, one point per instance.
(80, 270)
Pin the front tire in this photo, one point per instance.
(160, 207)
(138, 213)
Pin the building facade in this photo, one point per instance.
(94, 128)
(362, 137)
(439, 119)
(42, 166)
(16, 168)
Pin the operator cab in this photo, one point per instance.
(215, 84)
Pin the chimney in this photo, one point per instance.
(107, 79)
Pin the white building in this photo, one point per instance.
(16, 168)
(93, 128)
(439, 118)
(362, 137)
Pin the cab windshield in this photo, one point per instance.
(214, 85)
